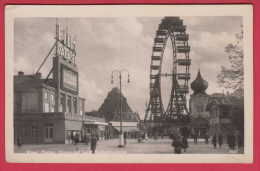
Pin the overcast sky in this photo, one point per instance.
(105, 44)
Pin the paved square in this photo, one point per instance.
(159, 146)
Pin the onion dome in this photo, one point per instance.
(199, 85)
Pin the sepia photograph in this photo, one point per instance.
(146, 85)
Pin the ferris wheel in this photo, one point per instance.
(170, 28)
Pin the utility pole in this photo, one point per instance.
(121, 136)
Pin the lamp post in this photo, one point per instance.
(120, 72)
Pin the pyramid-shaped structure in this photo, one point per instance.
(110, 109)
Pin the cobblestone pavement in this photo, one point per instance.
(160, 146)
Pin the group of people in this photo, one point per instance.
(231, 139)
(196, 136)
(217, 140)
(91, 138)
(180, 141)
(75, 138)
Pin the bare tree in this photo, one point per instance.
(232, 77)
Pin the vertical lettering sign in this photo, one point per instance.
(66, 52)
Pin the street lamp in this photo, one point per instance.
(120, 72)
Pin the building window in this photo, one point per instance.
(45, 96)
(17, 102)
(81, 106)
(75, 105)
(48, 131)
(30, 102)
(216, 112)
(69, 104)
(62, 103)
(48, 101)
(26, 131)
(46, 105)
(35, 131)
(52, 103)
(224, 112)
(200, 108)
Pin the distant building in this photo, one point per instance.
(226, 114)
(96, 124)
(130, 128)
(198, 103)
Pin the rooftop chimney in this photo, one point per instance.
(38, 75)
(20, 73)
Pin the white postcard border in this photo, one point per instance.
(14, 11)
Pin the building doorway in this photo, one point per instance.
(48, 133)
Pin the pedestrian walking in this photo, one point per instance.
(84, 138)
(139, 139)
(19, 141)
(240, 143)
(93, 142)
(195, 136)
(76, 138)
(125, 138)
(185, 143)
(206, 138)
(73, 137)
(177, 144)
(231, 141)
(155, 135)
(70, 137)
(214, 141)
(240, 140)
(220, 140)
(177, 141)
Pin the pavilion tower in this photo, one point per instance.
(198, 102)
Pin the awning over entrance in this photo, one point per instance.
(91, 120)
(95, 123)
(125, 124)
(127, 128)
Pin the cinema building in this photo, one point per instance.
(50, 110)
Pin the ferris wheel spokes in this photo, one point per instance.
(173, 28)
